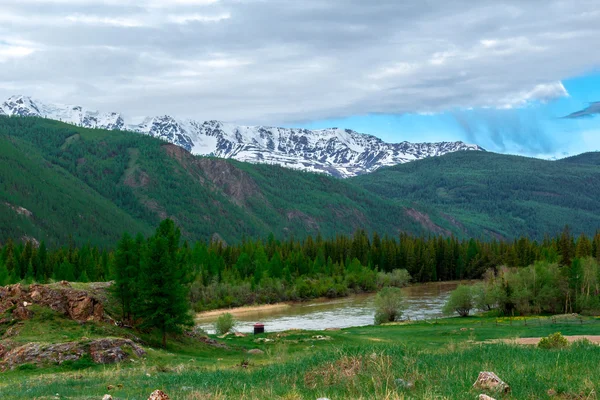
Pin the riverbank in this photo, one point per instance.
(423, 301)
(238, 311)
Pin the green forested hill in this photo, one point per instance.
(60, 182)
(487, 194)
(592, 158)
(93, 185)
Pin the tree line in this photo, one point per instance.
(274, 270)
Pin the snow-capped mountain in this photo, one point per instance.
(339, 152)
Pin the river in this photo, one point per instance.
(422, 301)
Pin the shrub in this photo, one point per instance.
(397, 278)
(460, 301)
(225, 323)
(389, 304)
(554, 341)
(81, 363)
(26, 367)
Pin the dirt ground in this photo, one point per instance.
(535, 340)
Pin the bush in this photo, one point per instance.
(389, 305)
(397, 278)
(554, 341)
(460, 301)
(225, 323)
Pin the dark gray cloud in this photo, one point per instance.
(280, 61)
(592, 110)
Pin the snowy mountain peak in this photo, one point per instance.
(339, 152)
(22, 106)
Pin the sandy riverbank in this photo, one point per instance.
(238, 311)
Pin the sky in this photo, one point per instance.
(519, 77)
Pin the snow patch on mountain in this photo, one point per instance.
(339, 152)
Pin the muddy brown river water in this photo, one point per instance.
(422, 301)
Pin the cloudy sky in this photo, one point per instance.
(501, 73)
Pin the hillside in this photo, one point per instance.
(96, 184)
(61, 181)
(489, 194)
(338, 152)
(592, 158)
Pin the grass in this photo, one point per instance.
(442, 359)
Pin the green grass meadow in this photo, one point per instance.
(442, 358)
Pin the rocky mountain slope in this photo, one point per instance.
(338, 152)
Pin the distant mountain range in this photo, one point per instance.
(337, 152)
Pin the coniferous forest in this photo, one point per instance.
(270, 270)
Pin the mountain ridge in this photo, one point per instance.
(338, 152)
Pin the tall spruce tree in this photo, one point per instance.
(125, 271)
(163, 291)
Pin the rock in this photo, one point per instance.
(404, 384)
(22, 313)
(36, 353)
(77, 304)
(15, 290)
(551, 392)
(256, 351)
(491, 381)
(110, 351)
(158, 395)
(102, 351)
(239, 334)
(107, 397)
(485, 397)
(263, 340)
(82, 307)
(322, 398)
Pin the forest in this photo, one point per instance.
(271, 270)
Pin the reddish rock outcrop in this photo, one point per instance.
(77, 304)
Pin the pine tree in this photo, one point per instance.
(164, 301)
(4, 275)
(125, 272)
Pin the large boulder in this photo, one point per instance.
(491, 381)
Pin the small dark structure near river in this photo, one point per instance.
(259, 328)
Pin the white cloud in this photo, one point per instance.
(273, 61)
(111, 21)
(543, 93)
(189, 18)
